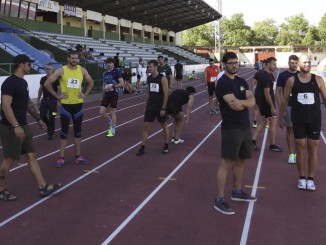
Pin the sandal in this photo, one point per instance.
(47, 190)
(7, 196)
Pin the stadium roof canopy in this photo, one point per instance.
(172, 15)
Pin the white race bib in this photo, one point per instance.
(73, 83)
(306, 98)
(154, 87)
(213, 79)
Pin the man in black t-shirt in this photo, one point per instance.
(178, 73)
(165, 70)
(48, 105)
(16, 136)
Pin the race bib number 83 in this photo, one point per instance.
(73, 83)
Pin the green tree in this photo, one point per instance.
(311, 37)
(264, 33)
(293, 32)
(235, 32)
(202, 35)
(322, 30)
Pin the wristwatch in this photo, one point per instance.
(16, 125)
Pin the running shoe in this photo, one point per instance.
(217, 111)
(254, 147)
(140, 152)
(81, 160)
(311, 185)
(172, 140)
(302, 184)
(178, 141)
(292, 159)
(111, 132)
(223, 207)
(165, 150)
(267, 126)
(275, 148)
(212, 112)
(242, 196)
(254, 125)
(60, 162)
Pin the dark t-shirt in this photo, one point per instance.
(165, 71)
(46, 93)
(178, 97)
(178, 69)
(112, 77)
(264, 80)
(237, 86)
(17, 88)
(155, 92)
(281, 81)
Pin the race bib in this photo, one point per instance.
(213, 79)
(73, 83)
(306, 98)
(154, 87)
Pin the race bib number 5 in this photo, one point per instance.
(73, 83)
(154, 87)
(306, 98)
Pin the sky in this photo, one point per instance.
(278, 10)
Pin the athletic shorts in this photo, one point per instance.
(287, 117)
(138, 77)
(178, 77)
(151, 114)
(173, 109)
(211, 89)
(265, 111)
(236, 144)
(307, 130)
(12, 147)
(111, 101)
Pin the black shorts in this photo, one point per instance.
(178, 77)
(307, 130)
(236, 144)
(152, 113)
(265, 111)
(111, 101)
(138, 77)
(173, 109)
(211, 88)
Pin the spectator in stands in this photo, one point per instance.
(112, 79)
(16, 136)
(116, 60)
(211, 73)
(165, 70)
(128, 88)
(71, 77)
(139, 72)
(48, 104)
(178, 73)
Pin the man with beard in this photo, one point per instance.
(235, 98)
(305, 88)
(16, 136)
(71, 97)
(280, 84)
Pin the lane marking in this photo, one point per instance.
(65, 186)
(89, 170)
(156, 190)
(162, 178)
(258, 187)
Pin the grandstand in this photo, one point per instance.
(47, 31)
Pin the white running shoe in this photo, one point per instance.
(311, 185)
(179, 141)
(302, 184)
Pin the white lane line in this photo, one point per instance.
(157, 189)
(25, 210)
(323, 137)
(250, 209)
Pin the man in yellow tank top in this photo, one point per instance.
(71, 97)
